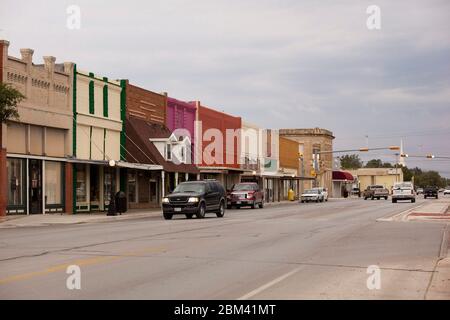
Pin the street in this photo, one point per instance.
(291, 251)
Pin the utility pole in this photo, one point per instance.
(302, 171)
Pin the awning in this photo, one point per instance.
(85, 161)
(140, 166)
(342, 176)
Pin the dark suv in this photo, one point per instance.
(196, 197)
(431, 192)
(245, 194)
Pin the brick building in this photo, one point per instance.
(35, 176)
(311, 141)
(217, 156)
(149, 142)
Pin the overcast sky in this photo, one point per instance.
(279, 64)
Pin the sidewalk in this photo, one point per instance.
(436, 210)
(37, 220)
(440, 283)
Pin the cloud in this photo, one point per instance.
(276, 63)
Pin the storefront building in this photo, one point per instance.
(386, 177)
(98, 113)
(342, 184)
(150, 143)
(260, 160)
(289, 167)
(35, 176)
(316, 169)
(217, 147)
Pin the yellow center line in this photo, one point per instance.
(81, 262)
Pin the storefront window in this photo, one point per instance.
(81, 183)
(53, 182)
(132, 187)
(16, 181)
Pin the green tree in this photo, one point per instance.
(377, 163)
(429, 178)
(351, 161)
(10, 97)
(374, 163)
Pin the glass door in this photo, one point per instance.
(35, 177)
(109, 186)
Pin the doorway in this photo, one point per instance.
(35, 182)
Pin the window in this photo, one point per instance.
(169, 151)
(53, 183)
(132, 187)
(81, 185)
(16, 181)
(183, 154)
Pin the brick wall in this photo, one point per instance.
(146, 105)
(218, 120)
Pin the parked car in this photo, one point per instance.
(312, 195)
(403, 191)
(447, 191)
(356, 192)
(196, 197)
(324, 191)
(419, 191)
(376, 192)
(431, 192)
(245, 194)
(441, 190)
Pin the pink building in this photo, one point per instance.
(181, 115)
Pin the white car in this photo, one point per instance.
(312, 195)
(447, 191)
(324, 191)
(403, 191)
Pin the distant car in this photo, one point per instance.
(419, 191)
(356, 192)
(403, 191)
(195, 197)
(245, 194)
(312, 195)
(376, 192)
(431, 192)
(441, 190)
(447, 191)
(324, 192)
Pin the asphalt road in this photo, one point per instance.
(295, 251)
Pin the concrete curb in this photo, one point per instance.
(444, 251)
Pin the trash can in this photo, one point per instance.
(112, 206)
(121, 202)
(291, 195)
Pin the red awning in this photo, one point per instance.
(342, 176)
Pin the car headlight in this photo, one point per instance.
(193, 200)
(165, 200)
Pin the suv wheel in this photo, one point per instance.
(221, 211)
(167, 216)
(253, 206)
(201, 211)
(261, 205)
